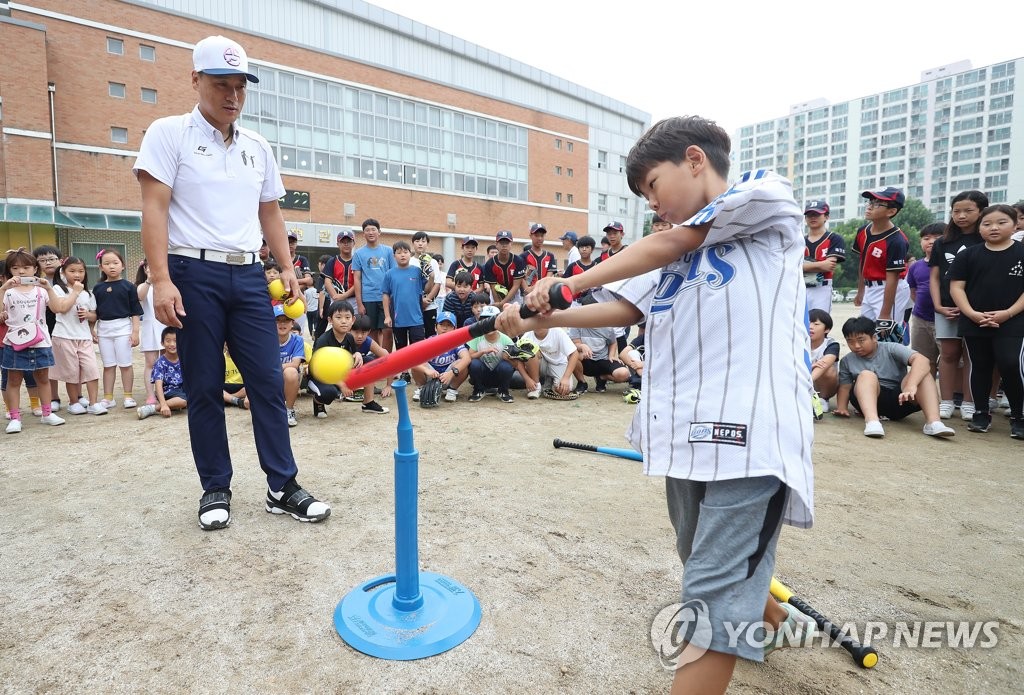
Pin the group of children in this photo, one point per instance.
(965, 325)
(51, 328)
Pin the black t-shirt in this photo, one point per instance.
(328, 339)
(943, 253)
(994, 281)
(116, 300)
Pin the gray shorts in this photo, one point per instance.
(726, 533)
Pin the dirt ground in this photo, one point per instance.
(108, 585)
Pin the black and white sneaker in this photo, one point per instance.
(581, 387)
(602, 386)
(980, 422)
(476, 396)
(319, 409)
(215, 510)
(375, 408)
(297, 502)
(1017, 428)
(505, 397)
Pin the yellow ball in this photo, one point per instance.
(277, 289)
(295, 309)
(330, 365)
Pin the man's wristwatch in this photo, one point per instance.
(454, 370)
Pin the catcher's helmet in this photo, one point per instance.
(430, 393)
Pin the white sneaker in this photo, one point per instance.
(52, 419)
(38, 412)
(108, 404)
(14, 426)
(451, 395)
(873, 428)
(292, 421)
(76, 409)
(967, 410)
(84, 402)
(55, 406)
(946, 409)
(130, 403)
(938, 429)
(416, 395)
(96, 409)
(145, 411)
(824, 405)
(535, 393)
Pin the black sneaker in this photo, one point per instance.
(505, 397)
(980, 422)
(581, 387)
(1017, 428)
(216, 508)
(601, 387)
(319, 409)
(476, 396)
(375, 408)
(297, 502)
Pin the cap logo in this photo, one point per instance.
(231, 57)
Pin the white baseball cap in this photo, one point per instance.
(219, 55)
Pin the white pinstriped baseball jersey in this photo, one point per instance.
(726, 385)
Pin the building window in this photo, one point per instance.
(623, 206)
(558, 143)
(602, 202)
(558, 171)
(147, 53)
(622, 164)
(602, 159)
(568, 146)
(149, 95)
(558, 197)
(115, 89)
(568, 198)
(568, 172)
(119, 135)
(115, 46)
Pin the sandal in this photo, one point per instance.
(297, 502)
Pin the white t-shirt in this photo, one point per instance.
(25, 308)
(572, 256)
(217, 189)
(555, 348)
(727, 392)
(68, 325)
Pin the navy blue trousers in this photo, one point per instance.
(498, 378)
(229, 303)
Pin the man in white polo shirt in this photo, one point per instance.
(209, 197)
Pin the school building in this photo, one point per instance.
(959, 128)
(370, 114)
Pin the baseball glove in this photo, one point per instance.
(517, 353)
(631, 396)
(528, 348)
(430, 393)
(500, 291)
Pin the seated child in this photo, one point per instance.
(556, 361)
(599, 358)
(479, 301)
(875, 380)
(491, 365)
(451, 368)
(293, 354)
(234, 390)
(168, 386)
(824, 356)
(460, 301)
(368, 349)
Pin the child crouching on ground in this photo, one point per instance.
(168, 385)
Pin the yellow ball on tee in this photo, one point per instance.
(295, 309)
(330, 365)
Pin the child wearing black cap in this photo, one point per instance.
(824, 250)
(882, 290)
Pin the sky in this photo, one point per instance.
(735, 62)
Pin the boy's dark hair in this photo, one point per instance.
(667, 141)
(421, 235)
(821, 316)
(401, 246)
(481, 298)
(370, 222)
(463, 278)
(168, 330)
(271, 264)
(933, 229)
(492, 246)
(47, 250)
(362, 323)
(439, 258)
(604, 240)
(858, 325)
(976, 197)
(586, 241)
(339, 305)
(324, 258)
(1007, 210)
